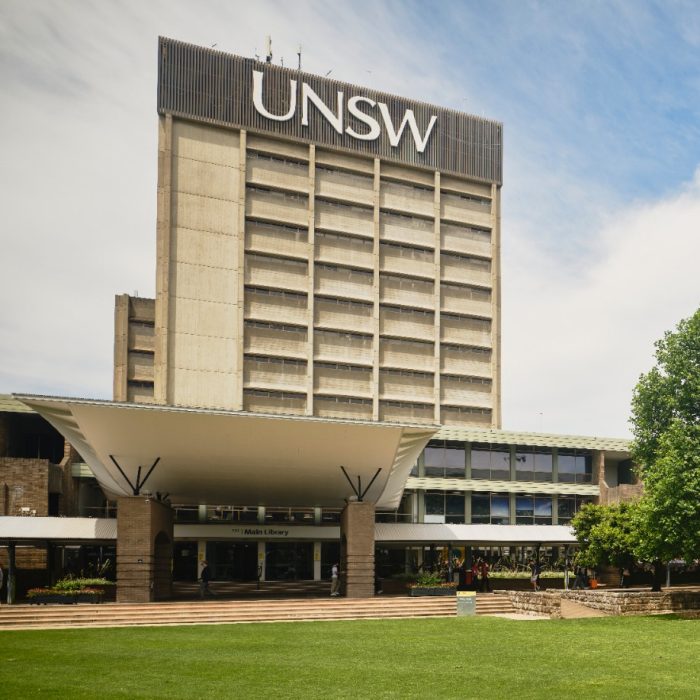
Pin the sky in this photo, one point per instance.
(600, 103)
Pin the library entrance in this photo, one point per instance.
(233, 561)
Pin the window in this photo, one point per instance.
(491, 462)
(445, 459)
(533, 464)
(575, 466)
(493, 508)
(569, 506)
(626, 473)
(531, 510)
(444, 507)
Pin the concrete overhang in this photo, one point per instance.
(67, 530)
(233, 457)
(475, 534)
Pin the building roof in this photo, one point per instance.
(9, 404)
(217, 456)
(506, 437)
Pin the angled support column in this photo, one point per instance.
(357, 549)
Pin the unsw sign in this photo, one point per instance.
(336, 117)
(209, 86)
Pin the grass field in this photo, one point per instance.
(439, 658)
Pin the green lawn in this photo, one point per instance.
(439, 658)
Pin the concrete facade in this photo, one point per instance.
(295, 279)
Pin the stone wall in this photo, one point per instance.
(637, 602)
(542, 603)
(609, 602)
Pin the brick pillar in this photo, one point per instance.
(357, 549)
(144, 550)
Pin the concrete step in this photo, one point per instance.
(108, 615)
(493, 604)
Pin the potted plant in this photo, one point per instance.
(430, 584)
(70, 590)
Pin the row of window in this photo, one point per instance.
(494, 508)
(449, 460)
(440, 507)
(414, 221)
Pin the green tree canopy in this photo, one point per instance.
(669, 512)
(606, 534)
(669, 393)
(666, 447)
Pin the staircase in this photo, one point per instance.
(215, 612)
(494, 604)
(235, 611)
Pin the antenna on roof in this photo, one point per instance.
(299, 57)
(268, 49)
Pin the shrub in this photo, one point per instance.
(80, 584)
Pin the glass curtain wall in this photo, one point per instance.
(444, 507)
(491, 462)
(493, 508)
(575, 466)
(533, 464)
(445, 459)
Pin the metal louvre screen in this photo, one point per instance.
(207, 85)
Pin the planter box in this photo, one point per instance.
(433, 591)
(53, 599)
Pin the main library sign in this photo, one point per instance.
(205, 85)
(226, 531)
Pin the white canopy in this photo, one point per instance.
(60, 529)
(476, 534)
(218, 457)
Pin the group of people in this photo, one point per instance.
(480, 575)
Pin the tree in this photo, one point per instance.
(669, 512)
(607, 535)
(666, 447)
(669, 393)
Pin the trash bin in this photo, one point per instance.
(466, 603)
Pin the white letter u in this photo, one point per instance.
(258, 99)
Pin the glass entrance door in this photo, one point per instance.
(233, 561)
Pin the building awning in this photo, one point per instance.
(67, 530)
(475, 534)
(77, 530)
(217, 457)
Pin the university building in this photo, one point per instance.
(318, 377)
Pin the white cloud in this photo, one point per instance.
(589, 281)
(577, 336)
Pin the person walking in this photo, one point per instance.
(535, 575)
(484, 576)
(204, 578)
(335, 580)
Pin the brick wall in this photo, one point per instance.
(24, 484)
(357, 549)
(144, 550)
